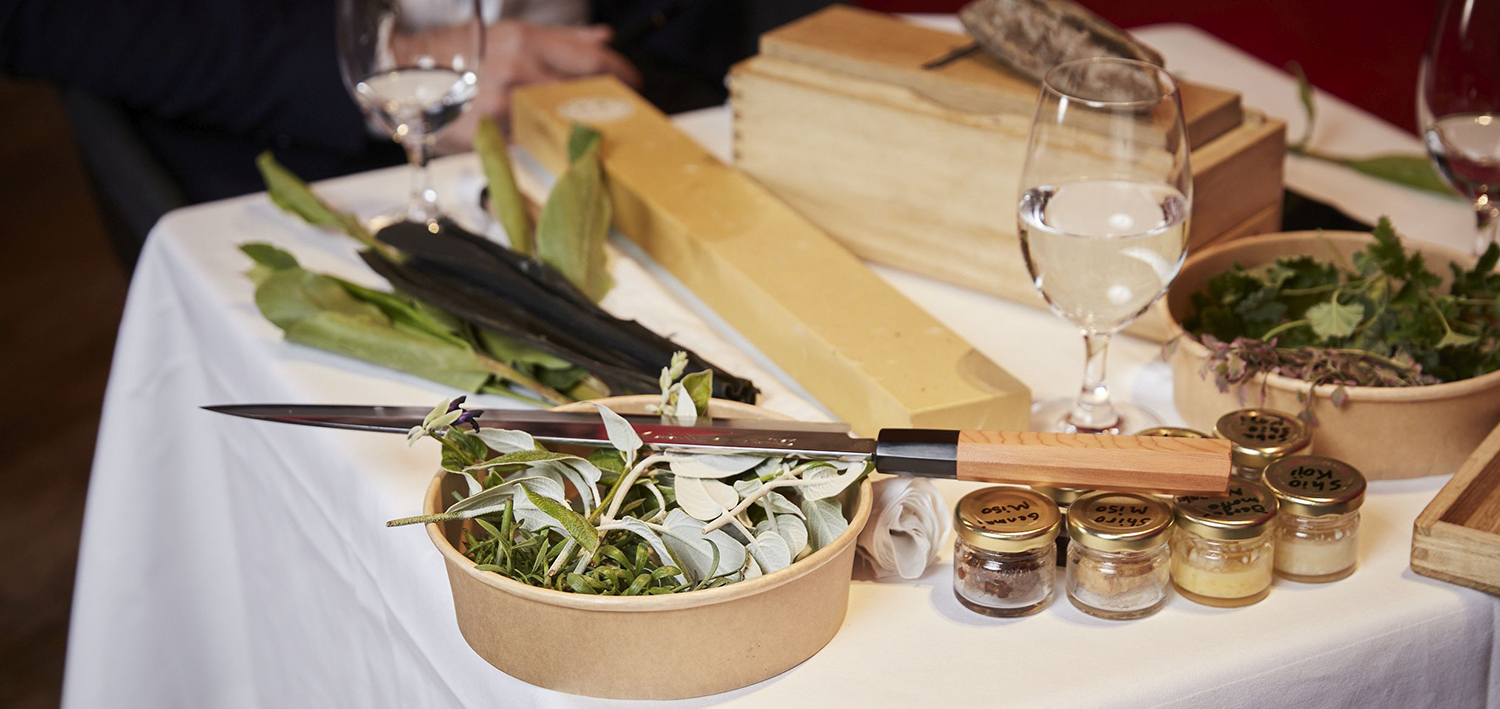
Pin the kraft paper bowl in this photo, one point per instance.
(653, 647)
(1386, 432)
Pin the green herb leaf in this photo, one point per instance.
(770, 551)
(573, 523)
(825, 521)
(291, 194)
(663, 553)
(834, 481)
(1333, 319)
(703, 498)
(610, 460)
(621, 434)
(505, 441)
(712, 466)
(697, 552)
(468, 449)
(496, 499)
(383, 345)
(1413, 171)
(581, 141)
(1456, 339)
(411, 315)
(289, 296)
(700, 386)
(268, 260)
(525, 457)
(575, 225)
(506, 204)
(1306, 94)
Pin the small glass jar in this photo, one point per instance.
(1258, 437)
(1172, 432)
(1223, 547)
(1118, 565)
(1317, 528)
(1003, 558)
(1063, 496)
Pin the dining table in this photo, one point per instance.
(235, 563)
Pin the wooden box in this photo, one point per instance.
(920, 168)
(874, 358)
(1457, 538)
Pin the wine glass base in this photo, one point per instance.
(395, 216)
(1052, 416)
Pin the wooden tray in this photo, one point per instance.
(1457, 538)
(919, 169)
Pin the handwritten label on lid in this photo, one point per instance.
(1244, 503)
(1316, 483)
(1262, 429)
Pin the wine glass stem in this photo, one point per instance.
(1093, 411)
(1488, 214)
(423, 208)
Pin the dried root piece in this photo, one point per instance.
(1032, 36)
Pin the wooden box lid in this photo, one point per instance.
(879, 47)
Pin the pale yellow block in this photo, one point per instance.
(866, 352)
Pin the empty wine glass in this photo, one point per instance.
(1103, 215)
(1458, 105)
(412, 65)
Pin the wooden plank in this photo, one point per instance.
(866, 352)
(1457, 536)
(881, 47)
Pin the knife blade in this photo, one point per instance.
(399, 419)
(1088, 461)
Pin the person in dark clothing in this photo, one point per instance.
(205, 85)
(209, 84)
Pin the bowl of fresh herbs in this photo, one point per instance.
(629, 573)
(1390, 349)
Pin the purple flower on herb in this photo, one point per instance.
(468, 417)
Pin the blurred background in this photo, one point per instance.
(71, 234)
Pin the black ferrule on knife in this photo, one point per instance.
(927, 452)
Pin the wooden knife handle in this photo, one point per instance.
(1176, 466)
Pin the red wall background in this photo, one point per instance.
(1363, 52)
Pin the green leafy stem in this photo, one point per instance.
(1414, 171)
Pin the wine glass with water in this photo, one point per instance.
(412, 65)
(1103, 216)
(1458, 105)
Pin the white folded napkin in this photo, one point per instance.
(909, 521)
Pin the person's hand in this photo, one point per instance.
(519, 53)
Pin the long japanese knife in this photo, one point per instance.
(1127, 463)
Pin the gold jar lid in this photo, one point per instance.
(1172, 432)
(1314, 486)
(1063, 496)
(1119, 521)
(1245, 512)
(1007, 519)
(1259, 436)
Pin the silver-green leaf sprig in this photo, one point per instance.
(628, 520)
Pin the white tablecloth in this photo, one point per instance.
(228, 563)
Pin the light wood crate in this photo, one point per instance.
(920, 169)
